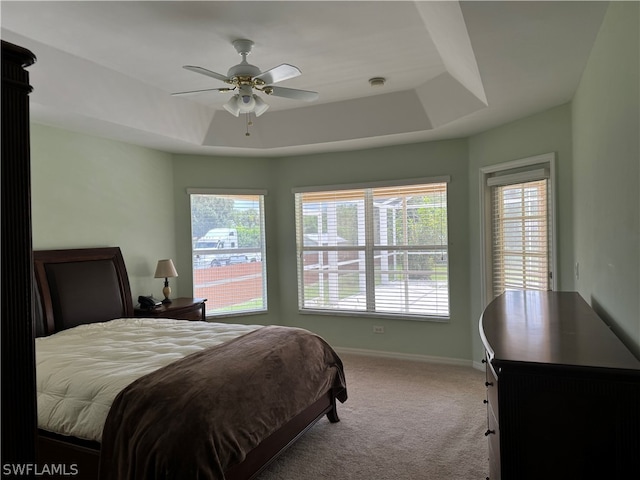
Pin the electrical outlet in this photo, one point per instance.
(378, 329)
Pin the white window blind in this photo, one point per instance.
(374, 250)
(229, 265)
(521, 236)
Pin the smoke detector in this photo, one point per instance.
(377, 81)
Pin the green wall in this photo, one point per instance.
(606, 174)
(194, 171)
(546, 132)
(91, 192)
(410, 161)
(279, 176)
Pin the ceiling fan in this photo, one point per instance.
(245, 78)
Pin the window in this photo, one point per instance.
(519, 224)
(229, 267)
(520, 237)
(374, 250)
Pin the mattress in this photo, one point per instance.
(80, 371)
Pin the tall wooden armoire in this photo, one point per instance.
(18, 365)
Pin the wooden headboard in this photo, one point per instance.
(80, 286)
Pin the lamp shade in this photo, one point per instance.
(165, 269)
(245, 102)
(232, 106)
(260, 106)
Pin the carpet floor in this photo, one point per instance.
(404, 420)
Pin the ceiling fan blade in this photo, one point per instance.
(224, 89)
(279, 73)
(208, 73)
(292, 93)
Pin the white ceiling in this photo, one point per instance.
(452, 68)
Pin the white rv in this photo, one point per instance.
(215, 248)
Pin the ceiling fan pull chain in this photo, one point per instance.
(249, 123)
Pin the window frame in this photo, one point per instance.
(522, 167)
(367, 248)
(263, 253)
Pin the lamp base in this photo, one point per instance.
(166, 291)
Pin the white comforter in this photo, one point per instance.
(80, 371)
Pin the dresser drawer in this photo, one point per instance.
(493, 426)
(493, 436)
(492, 396)
(492, 390)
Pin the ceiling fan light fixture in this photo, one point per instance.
(260, 106)
(232, 106)
(246, 104)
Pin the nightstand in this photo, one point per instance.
(179, 308)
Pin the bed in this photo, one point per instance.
(269, 384)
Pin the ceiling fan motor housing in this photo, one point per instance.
(243, 69)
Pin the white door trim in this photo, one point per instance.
(548, 159)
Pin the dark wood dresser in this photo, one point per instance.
(563, 392)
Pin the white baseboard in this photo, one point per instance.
(478, 366)
(408, 356)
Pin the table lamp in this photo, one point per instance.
(165, 269)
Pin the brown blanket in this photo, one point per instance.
(201, 415)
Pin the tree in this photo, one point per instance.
(348, 222)
(210, 211)
(426, 225)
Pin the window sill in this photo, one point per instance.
(390, 316)
(214, 318)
